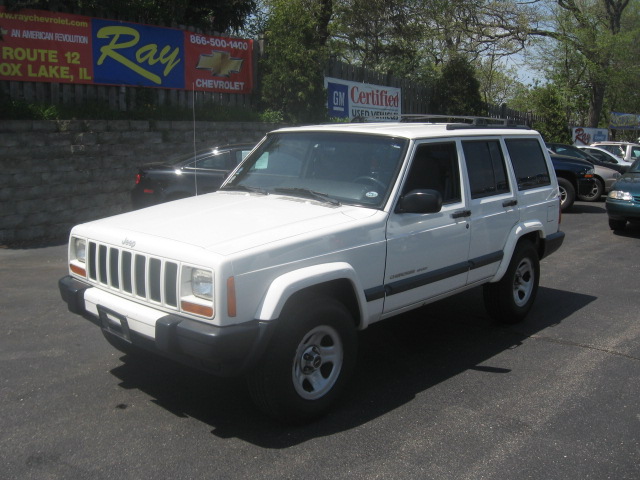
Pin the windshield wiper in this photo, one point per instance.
(306, 193)
(244, 188)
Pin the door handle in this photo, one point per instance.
(510, 203)
(461, 213)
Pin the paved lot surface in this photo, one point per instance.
(441, 393)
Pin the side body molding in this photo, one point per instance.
(283, 287)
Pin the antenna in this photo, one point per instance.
(195, 155)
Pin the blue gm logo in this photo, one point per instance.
(338, 100)
(131, 54)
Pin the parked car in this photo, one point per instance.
(623, 201)
(575, 177)
(606, 156)
(579, 152)
(604, 176)
(186, 175)
(628, 151)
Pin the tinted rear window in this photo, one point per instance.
(528, 163)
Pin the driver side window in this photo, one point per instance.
(435, 167)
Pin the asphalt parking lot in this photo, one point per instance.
(441, 393)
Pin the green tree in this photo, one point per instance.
(457, 90)
(379, 35)
(498, 83)
(214, 15)
(296, 55)
(546, 101)
(598, 32)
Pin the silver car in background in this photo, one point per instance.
(606, 156)
(629, 152)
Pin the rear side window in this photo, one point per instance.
(528, 163)
(485, 164)
(219, 161)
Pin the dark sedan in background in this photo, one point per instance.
(623, 201)
(186, 175)
(575, 177)
(605, 175)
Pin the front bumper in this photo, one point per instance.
(623, 210)
(552, 243)
(223, 351)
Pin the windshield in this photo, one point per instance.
(324, 166)
(635, 167)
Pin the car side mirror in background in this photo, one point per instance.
(420, 201)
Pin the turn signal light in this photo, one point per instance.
(78, 270)
(196, 309)
(231, 297)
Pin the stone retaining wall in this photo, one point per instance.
(55, 174)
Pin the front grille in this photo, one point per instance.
(142, 276)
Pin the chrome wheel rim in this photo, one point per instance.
(317, 363)
(523, 282)
(595, 192)
(563, 195)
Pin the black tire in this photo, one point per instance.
(510, 299)
(308, 361)
(617, 224)
(595, 193)
(567, 194)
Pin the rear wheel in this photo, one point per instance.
(617, 224)
(510, 299)
(595, 193)
(308, 362)
(567, 193)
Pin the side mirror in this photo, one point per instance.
(420, 201)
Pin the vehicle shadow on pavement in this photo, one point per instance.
(397, 360)
(586, 207)
(632, 230)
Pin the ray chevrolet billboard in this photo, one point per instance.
(42, 46)
(351, 100)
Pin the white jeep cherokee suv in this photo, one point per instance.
(320, 232)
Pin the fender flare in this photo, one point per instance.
(285, 286)
(517, 232)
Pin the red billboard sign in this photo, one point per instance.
(41, 46)
(45, 47)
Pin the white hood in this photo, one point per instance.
(226, 222)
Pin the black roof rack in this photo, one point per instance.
(471, 120)
(466, 126)
(454, 122)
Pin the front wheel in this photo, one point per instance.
(567, 194)
(308, 362)
(596, 192)
(510, 299)
(617, 224)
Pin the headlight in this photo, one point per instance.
(202, 284)
(196, 291)
(620, 195)
(80, 249)
(78, 256)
